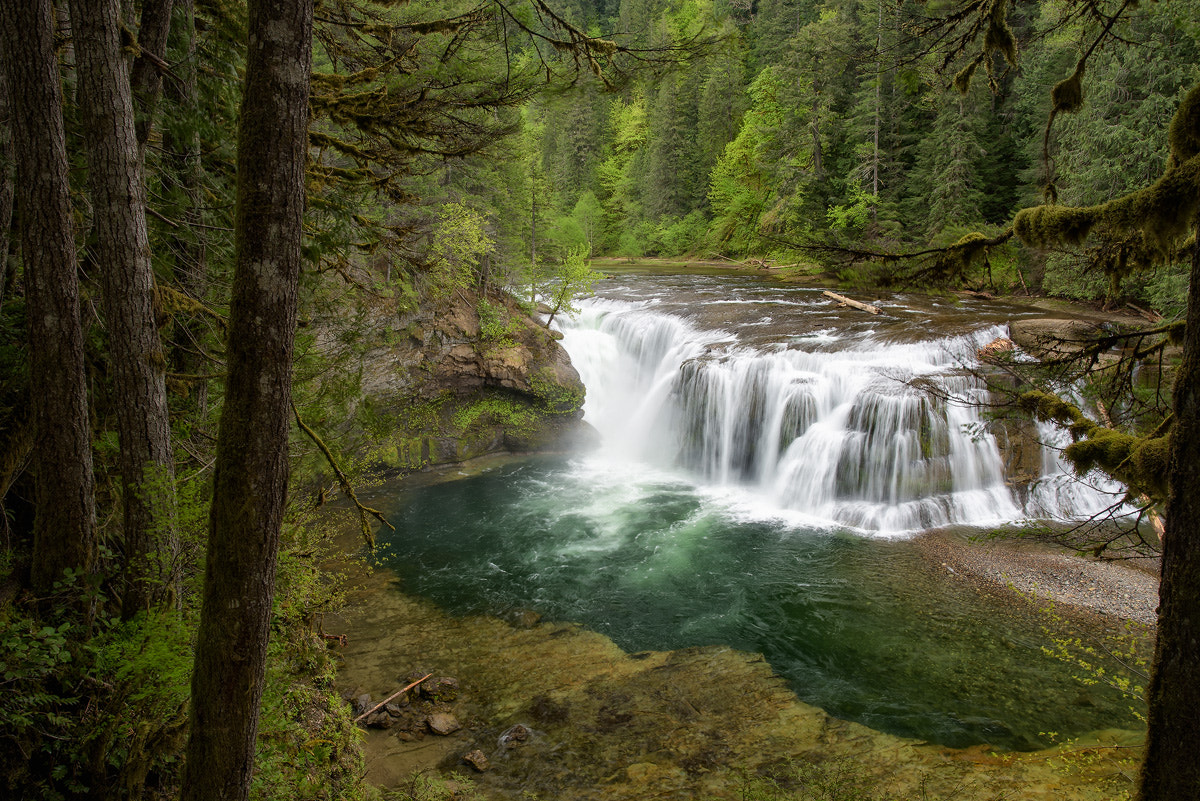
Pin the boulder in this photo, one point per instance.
(1048, 338)
(441, 387)
(442, 723)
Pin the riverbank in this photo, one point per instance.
(1040, 574)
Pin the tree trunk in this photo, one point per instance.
(250, 482)
(6, 177)
(875, 158)
(146, 76)
(64, 525)
(1171, 769)
(123, 250)
(183, 172)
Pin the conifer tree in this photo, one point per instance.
(64, 526)
(250, 483)
(118, 191)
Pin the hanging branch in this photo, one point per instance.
(347, 488)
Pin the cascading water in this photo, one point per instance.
(882, 437)
(765, 455)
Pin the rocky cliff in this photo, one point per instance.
(461, 377)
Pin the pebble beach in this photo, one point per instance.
(1116, 590)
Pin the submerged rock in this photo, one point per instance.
(514, 735)
(443, 723)
(477, 759)
(694, 723)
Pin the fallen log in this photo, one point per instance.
(385, 701)
(845, 301)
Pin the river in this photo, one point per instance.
(767, 462)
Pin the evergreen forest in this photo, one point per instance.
(207, 207)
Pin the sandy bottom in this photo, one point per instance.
(692, 724)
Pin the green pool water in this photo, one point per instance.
(864, 627)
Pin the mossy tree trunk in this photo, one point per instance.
(64, 524)
(146, 75)
(1171, 769)
(250, 482)
(123, 250)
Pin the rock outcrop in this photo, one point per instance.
(462, 377)
(1048, 338)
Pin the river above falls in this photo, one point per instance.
(767, 461)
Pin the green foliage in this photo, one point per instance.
(741, 183)
(423, 787)
(456, 250)
(854, 216)
(91, 703)
(573, 279)
(496, 323)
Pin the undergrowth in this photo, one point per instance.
(93, 705)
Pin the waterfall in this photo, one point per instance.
(878, 436)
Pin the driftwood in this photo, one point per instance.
(387, 700)
(845, 301)
(1152, 316)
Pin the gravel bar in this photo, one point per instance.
(1117, 590)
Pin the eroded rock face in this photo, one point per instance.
(1054, 338)
(462, 377)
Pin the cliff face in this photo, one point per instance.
(464, 377)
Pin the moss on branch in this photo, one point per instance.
(1138, 461)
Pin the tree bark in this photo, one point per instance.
(1171, 769)
(250, 482)
(6, 177)
(183, 173)
(146, 76)
(64, 524)
(123, 250)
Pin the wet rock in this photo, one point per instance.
(394, 709)
(437, 351)
(477, 759)
(1054, 338)
(996, 349)
(442, 723)
(439, 689)
(380, 720)
(363, 704)
(523, 618)
(515, 736)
